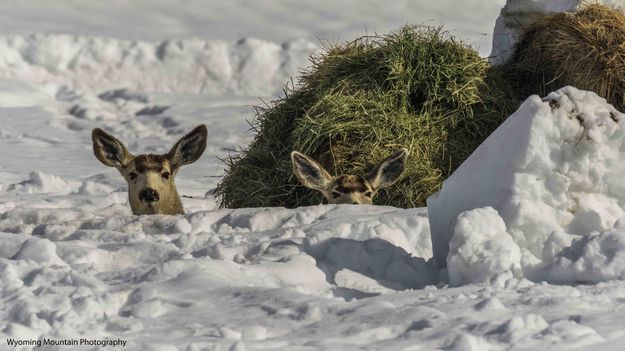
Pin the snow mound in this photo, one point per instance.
(593, 258)
(247, 67)
(43, 183)
(468, 342)
(517, 15)
(42, 251)
(481, 249)
(39, 182)
(553, 166)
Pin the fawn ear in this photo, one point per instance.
(310, 173)
(109, 150)
(189, 148)
(388, 171)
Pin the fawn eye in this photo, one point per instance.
(132, 175)
(368, 194)
(336, 194)
(165, 175)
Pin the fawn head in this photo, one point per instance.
(348, 188)
(150, 178)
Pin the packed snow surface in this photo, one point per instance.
(75, 263)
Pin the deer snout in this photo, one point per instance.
(148, 195)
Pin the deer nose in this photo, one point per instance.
(148, 195)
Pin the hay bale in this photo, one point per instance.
(417, 88)
(585, 49)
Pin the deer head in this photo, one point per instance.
(150, 178)
(349, 188)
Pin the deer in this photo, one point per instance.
(150, 177)
(349, 188)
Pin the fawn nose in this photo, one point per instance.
(148, 195)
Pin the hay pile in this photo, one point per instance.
(585, 49)
(421, 89)
(417, 88)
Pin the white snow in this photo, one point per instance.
(246, 67)
(593, 258)
(481, 249)
(549, 183)
(38, 182)
(74, 262)
(278, 22)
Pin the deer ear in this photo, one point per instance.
(189, 148)
(388, 171)
(109, 150)
(310, 173)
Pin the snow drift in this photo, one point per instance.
(247, 67)
(553, 172)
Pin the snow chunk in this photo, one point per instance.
(468, 342)
(481, 249)
(593, 258)
(574, 334)
(520, 327)
(93, 188)
(42, 251)
(9, 278)
(39, 182)
(554, 165)
(492, 304)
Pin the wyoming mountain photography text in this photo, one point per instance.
(36, 343)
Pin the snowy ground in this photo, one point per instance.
(280, 21)
(74, 262)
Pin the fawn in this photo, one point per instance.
(150, 178)
(348, 188)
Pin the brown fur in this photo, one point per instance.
(149, 172)
(348, 188)
(351, 183)
(150, 162)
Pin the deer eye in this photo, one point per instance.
(369, 194)
(336, 194)
(132, 175)
(165, 175)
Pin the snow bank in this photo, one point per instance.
(43, 183)
(553, 166)
(481, 249)
(39, 182)
(519, 14)
(247, 67)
